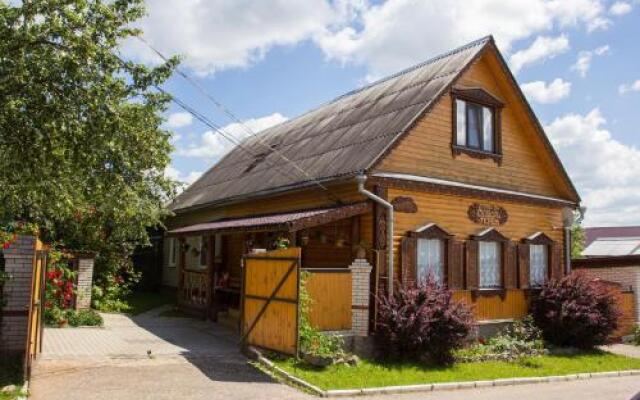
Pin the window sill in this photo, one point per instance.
(476, 153)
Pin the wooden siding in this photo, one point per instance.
(450, 213)
(526, 165)
(514, 305)
(330, 294)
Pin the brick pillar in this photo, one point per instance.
(85, 279)
(361, 276)
(19, 261)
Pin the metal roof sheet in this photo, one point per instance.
(613, 247)
(284, 221)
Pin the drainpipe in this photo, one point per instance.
(361, 179)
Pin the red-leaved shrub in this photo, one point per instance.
(575, 311)
(422, 322)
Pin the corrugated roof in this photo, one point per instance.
(340, 138)
(594, 233)
(284, 221)
(621, 246)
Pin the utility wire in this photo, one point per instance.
(234, 118)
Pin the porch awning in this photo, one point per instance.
(293, 221)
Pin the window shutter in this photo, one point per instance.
(455, 264)
(408, 258)
(510, 271)
(523, 265)
(472, 264)
(557, 271)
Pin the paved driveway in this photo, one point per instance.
(192, 359)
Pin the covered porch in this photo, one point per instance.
(210, 260)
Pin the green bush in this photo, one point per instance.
(636, 336)
(522, 339)
(58, 317)
(85, 318)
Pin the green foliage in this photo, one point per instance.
(59, 317)
(84, 318)
(635, 339)
(312, 341)
(578, 238)
(522, 339)
(82, 150)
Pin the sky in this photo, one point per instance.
(577, 61)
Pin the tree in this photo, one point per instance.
(578, 235)
(82, 151)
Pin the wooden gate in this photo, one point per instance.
(35, 328)
(270, 293)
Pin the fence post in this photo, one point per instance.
(361, 279)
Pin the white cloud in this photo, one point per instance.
(183, 180)
(179, 120)
(630, 87)
(217, 34)
(397, 33)
(540, 92)
(212, 145)
(605, 171)
(583, 63)
(541, 49)
(620, 8)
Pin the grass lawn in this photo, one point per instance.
(10, 374)
(370, 373)
(140, 302)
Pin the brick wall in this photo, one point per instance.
(628, 277)
(361, 276)
(85, 277)
(19, 260)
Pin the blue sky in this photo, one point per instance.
(577, 61)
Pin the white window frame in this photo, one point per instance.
(423, 267)
(483, 259)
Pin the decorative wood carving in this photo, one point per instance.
(404, 204)
(487, 214)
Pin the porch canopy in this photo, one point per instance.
(290, 222)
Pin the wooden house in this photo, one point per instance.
(462, 184)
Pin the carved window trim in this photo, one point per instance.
(539, 238)
(432, 231)
(491, 235)
(482, 98)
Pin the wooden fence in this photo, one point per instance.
(330, 291)
(627, 306)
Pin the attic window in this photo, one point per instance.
(476, 124)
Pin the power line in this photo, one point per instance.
(233, 117)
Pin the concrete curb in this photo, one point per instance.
(295, 381)
(274, 369)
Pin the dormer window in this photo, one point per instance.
(476, 124)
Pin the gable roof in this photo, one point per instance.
(339, 139)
